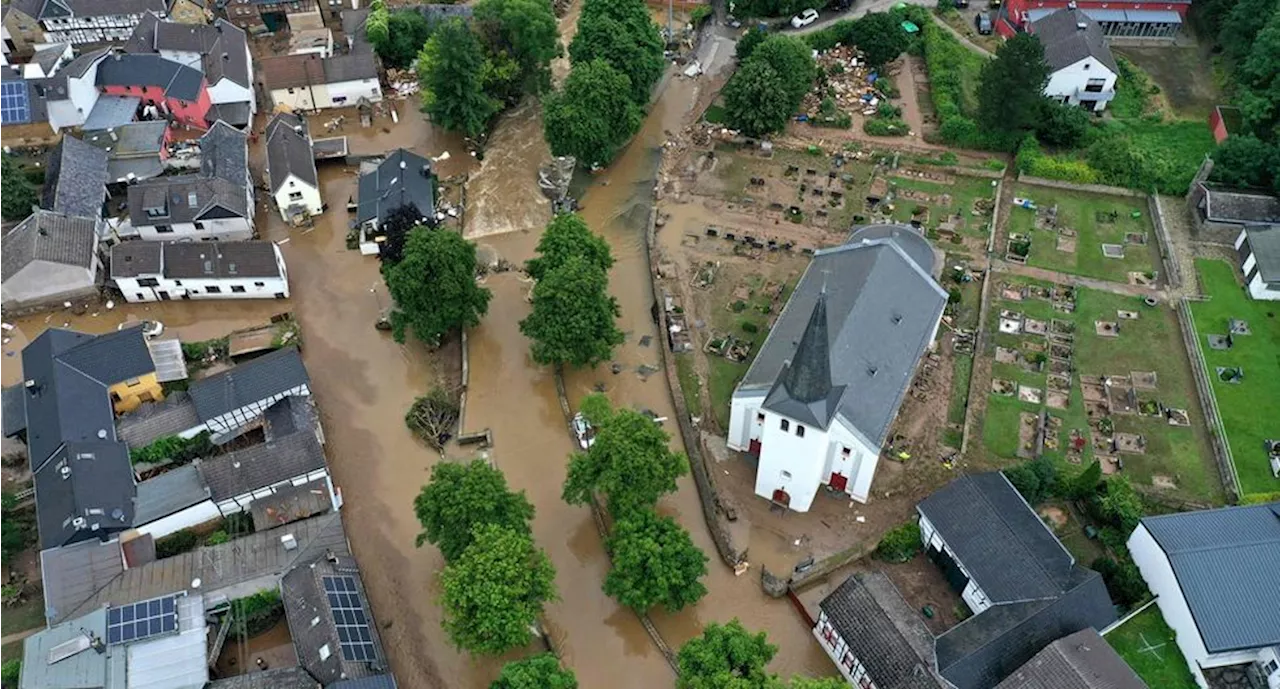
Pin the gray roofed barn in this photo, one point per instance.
(253, 381)
(882, 311)
(137, 69)
(75, 179)
(261, 465)
(1240, 206)
(49, 236)
(401, 179)
(151, 422)
(1082, 660)
(883, 632)
(289, 151)
(169, 493)
(306, 600)
(1264, 243)
(1069, 36)
(1227, 565)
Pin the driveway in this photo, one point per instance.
(859, 9)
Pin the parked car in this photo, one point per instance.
(982, 23)
(961, 4)
(805, 18)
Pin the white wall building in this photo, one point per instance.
(220, 51)
(50, 257)
(72, 92)
(1216, 578)
(1258, 247)
(160, 271)
(308, 82)
(1084, 70)
(817, 403)
(291, 168)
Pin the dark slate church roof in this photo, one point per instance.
(1227, 563)
(882, 308)
(883, 632)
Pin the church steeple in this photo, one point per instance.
(808, 378)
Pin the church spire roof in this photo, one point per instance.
(808, 378)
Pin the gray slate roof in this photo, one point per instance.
(1079, 661)
(354, 67)
(403, 178)
(13, 413)
(99, 8)
(883, 632)
(48, 57)
(293, 413)
(262, 465)
(49, 236)
(289, 151)
(87, 480)
(73, 574)
(222, 46)
(1227, 563)
(134, 139)
(373, 682)
(168, 493)
(1264, 242)
(253, 381)
(1065, 43)
(214, 198)
(224, 154)
(1241, 206)
(274, 678)
(137, 69)
(156, 420)
(179, 260)
(302, 591)
(999, 539)
(75, 179)
(882, 310)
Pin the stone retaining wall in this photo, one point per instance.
(1208, 403)
(1072, 186)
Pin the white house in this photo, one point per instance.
(291, 168)
(818, 401)
(70, 95)
(1258, 247)
(1216, 578)
(160, 271)
(215, 204)
(1083, 68)
(94, 21)
(308, 82)
(220, 51)
(50, 257)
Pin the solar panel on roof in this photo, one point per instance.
(15, 108)
(349, 617)
(143, 620)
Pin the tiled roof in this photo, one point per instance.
(291, 71)
(186, 198)
(49, 236)
(289, 151)
(169, 493)
(402, 178)
(85, 488)
(253, 381)
(155, 420)
(883, 632)
(305, 602)
(1264, 243)
(247, 259)
(340, 68)
(76, 178)
(224, 154)
(273, 678)
(1079, 661)
(1069, 36)
(73, 574)
(262, 465)
(138, 69)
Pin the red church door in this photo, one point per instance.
(753, 448)
(839, 481)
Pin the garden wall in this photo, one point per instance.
(1072, 186)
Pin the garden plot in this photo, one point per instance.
(1124, 397)
(1093, 235)
(951, 208)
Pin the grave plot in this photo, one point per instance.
(1093, 235)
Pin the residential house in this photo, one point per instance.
(309, 82)
(1216, 578)
(172, 501)
(135, 152)
(1082, 660)
(66, 99)
(22, 27)
(159, 271)
(161, 642)
(816, 404)
(272, 678)
(94, 21)
(75, 179)
(219, 51)
(238, 480)
(47, 61)
(291, 168)
(1083, 70)
(311, 42)
(215, 204)
(1024, 588)
(175, 415)
(874, 637)
(190, 11)
(178, 91)
(268, 16)
(1231, 210)
(1258, 247)
(331, 622)
(353, 28)
(229, 401)
(402, 179)
(1147, 21)
(50, 258)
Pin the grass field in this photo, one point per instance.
(1163, 665)
(689, 383)
(963, 193)
(20, 618)
(1251, 407)
(1150, 343)
(1080, 211)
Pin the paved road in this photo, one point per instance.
(859, 9)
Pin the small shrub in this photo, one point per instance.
(217, 538)
(255, 614)
(1124, 581)
(879, 126)
(434, 416)
(174, 449)
(179, 542)
(750, 327)
(738, 306)
(954, 295)
(900, 544)
(10, 672)
(699, 14)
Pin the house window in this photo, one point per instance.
(259, 284)
(786, 475)
(199, 225)
(1270, 668)
(786, 425)
(238, 289)
(163, 229)
(295, 196)
(866, 683)
(844, 452)
(829, 633)
(177, 283)
(148, 282)
(213, 289)
(1095, 85)
(848, 661)
(759, 418)
(132, 382)
(799, 431)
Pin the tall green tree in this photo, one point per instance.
(450, 69)
(621, 33)
(749, 42)
(574, 318)
(792, 59)
(397, 36)
(629, 462)
(527, 31)
(802, 682)
(568, 235)
(755, 100)
(542, 671)
(1244, 160)
(593, 116)
(654, 563)
(1258, 79)
(460, 497)
(726, 656)
(495, 591)
(879, 37)
(1011, 87)
(434, 286)
(19, 193)
(1242, 25)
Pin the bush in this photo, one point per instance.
(17, 530)
(750, 327)
(434, 416)
(954, 295)
(197, 352)
(900, 544)
(217, 538)
(255, 614)
(1062, 125)
(880, 126)
(1124, 581)
(700, 14)
(174, 449)
(10, 672)
(177, 543)
(1031, 160)
(1026, 481)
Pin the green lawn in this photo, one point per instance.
(725, 375)
(20, 618)
(1250, 408)
(1079, 211)
(1163, 665)
(689, 383)
(1150, 343)
(963, 193)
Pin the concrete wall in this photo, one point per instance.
(1158, 573)
(302, 97)
(43, 280)
(82, 95)
(199, 288)
(345, 93)
(1261, 290)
